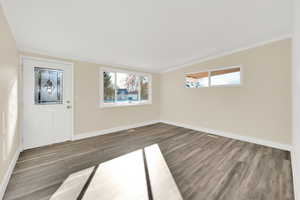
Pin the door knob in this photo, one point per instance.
(69, 107)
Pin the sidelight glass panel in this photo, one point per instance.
(48, 87)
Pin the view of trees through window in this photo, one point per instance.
(144, 88)
(109, 87)
(120, 87)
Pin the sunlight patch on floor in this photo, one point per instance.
(139, 175)
(72, 186)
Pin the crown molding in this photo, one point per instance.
(224, 53)
(25, 51)
(168, 69)
(2, 6)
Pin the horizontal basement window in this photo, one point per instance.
(227, 76)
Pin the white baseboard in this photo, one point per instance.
(286, 147)
(112, 130)
(9, 172)
(295, 178)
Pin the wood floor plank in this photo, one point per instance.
(203, 166)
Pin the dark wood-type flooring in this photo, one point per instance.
(204, 166)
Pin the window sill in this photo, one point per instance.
(217, 86)
(113, 105)
(228, 85)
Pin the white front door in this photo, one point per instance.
(47, 102)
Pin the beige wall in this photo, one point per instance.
(296, 99)
(88, 116)
(261, 108)
(87, 103)
(9, 61)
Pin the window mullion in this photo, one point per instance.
(139, 88)
(209, 79)
(116, 90)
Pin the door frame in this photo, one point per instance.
(21, 89)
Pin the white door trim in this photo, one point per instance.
(70, 64)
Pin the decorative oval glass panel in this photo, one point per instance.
(48, 87)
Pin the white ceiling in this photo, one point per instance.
(149, 35)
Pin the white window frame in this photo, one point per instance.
(217, 69)
(116, 104)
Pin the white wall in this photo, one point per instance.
(296, 98)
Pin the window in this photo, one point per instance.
(48, 87)
(197, 80)
(216, 77)
(230, 76)
(122, 88)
